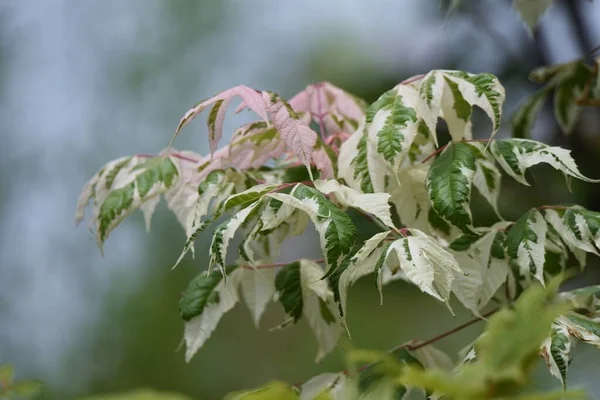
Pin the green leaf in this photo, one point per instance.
(578, 227)
(7, 375)
(524, 118)
(525, 244)
(529, 324)
(515, 156)
(378, 380)
(570, 87)
(531, 11)
(289, 289)
(449, 185)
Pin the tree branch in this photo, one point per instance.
(415, 345)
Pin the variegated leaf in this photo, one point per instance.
(303, 293)
(525, 244)
(375, 204)
(556, 350)
(224, 233)
(361, 264)
(449, 184)
(206, 299)
(517, 155)
(425, 263)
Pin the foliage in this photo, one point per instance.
(21, 389)
(386, 162)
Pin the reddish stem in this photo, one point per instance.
(174, 154)
(552, 208)
(415, 345)
(413, 79)
(321, 114)
(440, 149)
(279, 264)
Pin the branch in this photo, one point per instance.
(174, 154)
(275, 265)
(413, 79)
(321, 115)
(415, 345)
(442, 148)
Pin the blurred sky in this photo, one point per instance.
(83, 82)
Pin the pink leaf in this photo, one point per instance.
(215, 123)
(329, 105)
(323, 164)
(250, 99)
(294, 132)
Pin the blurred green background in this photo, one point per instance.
(82, 82)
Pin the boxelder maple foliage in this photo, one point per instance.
(384, 161)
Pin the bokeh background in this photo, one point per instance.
(82, 82)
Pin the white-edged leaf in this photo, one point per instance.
(425, 263)
(517, 155)
(467, 285)
(208, 299)
(353, 165)
(578, 227)
(258, 287)
(449, 184)
(452, 95)
(487, 180)
(556, 351)
(392, 122)
(140, 184)
(375, 204)
(335, 386)
(583, 328)
(147, 208)
(433, 358)
(303, 293)
(410, 197)
(224, 233)
(361, 264)
(337, 233)
(525, 244)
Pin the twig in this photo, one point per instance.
(176, 155)
(412, 346)
(415, 345)
(413, 79)
(321, 115)
(442, 148)
(552, 208)
(279, 264)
